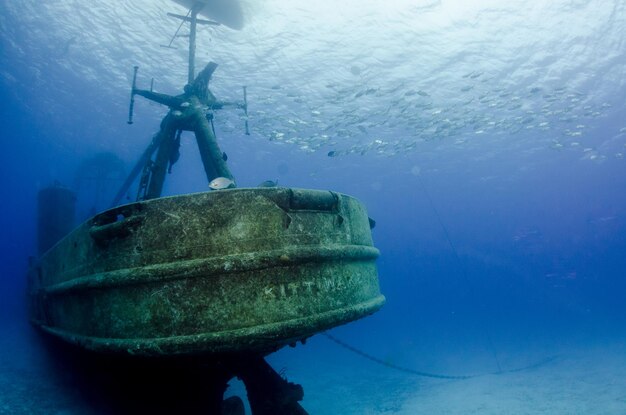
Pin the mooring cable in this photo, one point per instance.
(405, 369)
(391, 365)
(460, 265)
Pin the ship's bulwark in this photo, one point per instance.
(225, 271)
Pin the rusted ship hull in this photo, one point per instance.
(226, 271)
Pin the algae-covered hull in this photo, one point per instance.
(225, 271)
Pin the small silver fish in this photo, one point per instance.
(220, 183)
(185, 104)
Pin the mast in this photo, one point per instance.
(192, 45)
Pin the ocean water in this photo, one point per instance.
(486, 138)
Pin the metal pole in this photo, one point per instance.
(210, 153)
(192, 46)
(131, 107)
(159, 168)
(245, 108)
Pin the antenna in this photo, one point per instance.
(131, 106)
(192, 18)
(245, 108)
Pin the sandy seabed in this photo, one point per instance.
(580, 379)
(575, 379)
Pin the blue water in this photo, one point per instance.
(486, 140)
